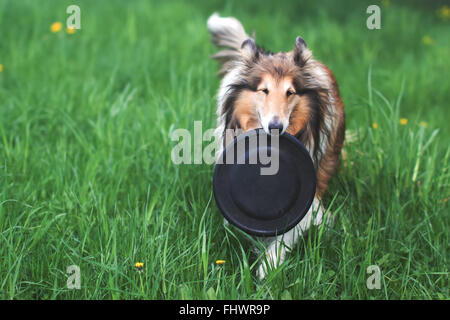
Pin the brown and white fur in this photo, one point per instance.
(290, 91)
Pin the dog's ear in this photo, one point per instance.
(300, 54)
(249, 50)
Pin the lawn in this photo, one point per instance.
(86, 176)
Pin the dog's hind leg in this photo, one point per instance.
(275, 251)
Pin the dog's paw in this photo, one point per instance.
(262, 271)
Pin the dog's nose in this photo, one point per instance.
(275, 124)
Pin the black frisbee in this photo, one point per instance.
(260, 197)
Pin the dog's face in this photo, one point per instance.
(274, 100)
(270, 93)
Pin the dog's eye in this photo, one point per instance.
(289, 93)
(266, 91)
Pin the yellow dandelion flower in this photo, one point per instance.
(139, 265)
(423, 124)
(1, 67)
(71, 30)
(444, 12)
(403, 121)
(56, 27)
(375, 125)
(220, 262)
(428, 40)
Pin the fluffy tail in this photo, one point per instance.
(227, 33)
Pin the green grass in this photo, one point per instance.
(86, 176)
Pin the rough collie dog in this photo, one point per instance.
(287, 91)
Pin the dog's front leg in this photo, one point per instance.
(275, 251)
